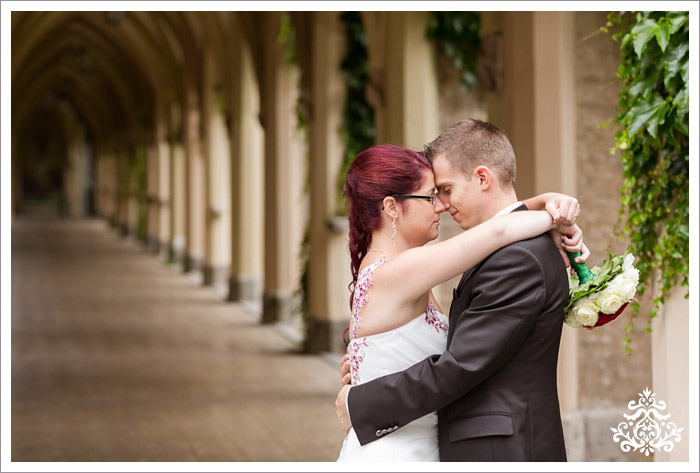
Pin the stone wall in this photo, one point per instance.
(608, 378)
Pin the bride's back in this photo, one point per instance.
(375, 308)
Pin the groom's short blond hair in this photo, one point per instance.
(471, 143)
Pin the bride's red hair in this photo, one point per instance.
(376, 173)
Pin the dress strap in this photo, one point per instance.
(359, 297)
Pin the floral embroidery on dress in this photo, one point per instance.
(359, 301)
(357, 356)
(432, 316)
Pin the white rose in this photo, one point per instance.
(625, 286)
(632, 274)
(627, 262)
(571, 320)
(586, 311)
(610, 300)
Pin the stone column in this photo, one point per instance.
(75, 176)
(670, 369)
(134, 204)
(16, 174)
(247, 196)
(279, 202)
(555, 149)
(178, 199)
(217, 248)
(164, 190)
(152, 200)
(123, 191)
(195, 193)
(107, 179)
(532, 54)
(404, 78)
(329, 259)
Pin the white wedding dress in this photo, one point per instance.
(377, 355)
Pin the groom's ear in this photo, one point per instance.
(485, 177)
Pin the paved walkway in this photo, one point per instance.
(119, 357)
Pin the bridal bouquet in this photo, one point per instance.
(598, 295)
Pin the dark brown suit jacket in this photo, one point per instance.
(495, 387)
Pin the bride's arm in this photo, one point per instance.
(420, 269)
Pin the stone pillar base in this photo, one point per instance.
(244, 288)
(215, 275)
(152, 244)
(123, 229)
(174, 253)
(588, 437)
(192, 263)
(277, 307)
(325, 335)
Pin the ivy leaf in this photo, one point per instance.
(642, 33)
(677, 22)
(663, 34)
(673, 59)
(649, 114)
(644, 87)
(684, 72)
(681, 101)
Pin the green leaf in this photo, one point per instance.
(642, 33)
(681, 101)
(677, 22)
(648, 114)
(673, 60)
(663, 34)
(644, 87)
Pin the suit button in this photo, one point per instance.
(396, 427)
(379, 433)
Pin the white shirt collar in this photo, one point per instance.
(509, 209)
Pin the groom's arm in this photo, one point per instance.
(506, 299)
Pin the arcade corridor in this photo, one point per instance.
(119, 357)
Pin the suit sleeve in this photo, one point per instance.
(507, 296)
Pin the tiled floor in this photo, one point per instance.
(118, 357)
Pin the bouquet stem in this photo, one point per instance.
(584, 274)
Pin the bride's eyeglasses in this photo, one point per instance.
(430, 198)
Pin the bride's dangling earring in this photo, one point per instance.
(393, 235)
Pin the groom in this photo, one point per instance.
(495, 386)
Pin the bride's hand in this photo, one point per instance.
(341, 410)
(345, 370)
(564, 209)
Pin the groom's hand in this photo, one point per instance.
(569, 238)
(341, 409)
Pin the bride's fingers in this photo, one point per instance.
(573, 211)
(345, 369)
(345, 380)
(553, 210)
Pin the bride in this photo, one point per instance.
(395, 320)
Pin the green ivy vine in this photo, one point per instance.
(653, 141)
(287, 37)
(358, 129)
(458, 34)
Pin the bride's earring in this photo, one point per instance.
(393, 235)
